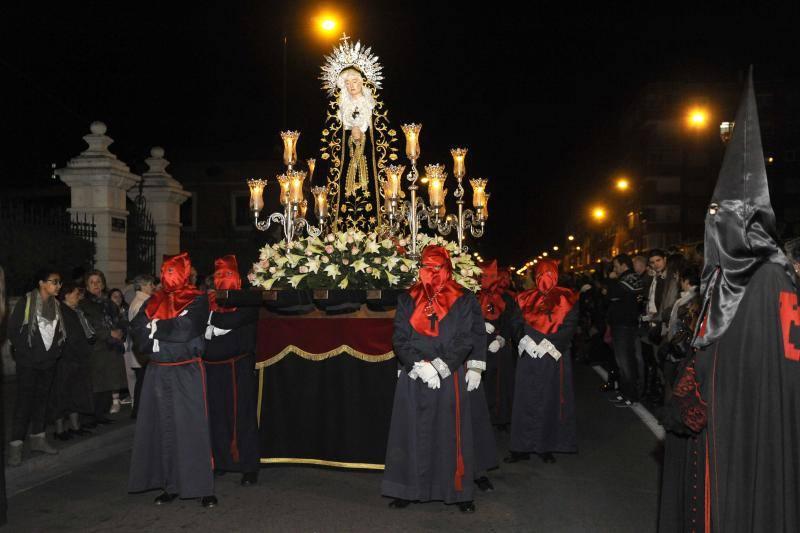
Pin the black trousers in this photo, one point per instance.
(624, 341)
(137, 389)
(33, 393)
(102, 404)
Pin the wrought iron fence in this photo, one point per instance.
(33, 236)
(141, 238)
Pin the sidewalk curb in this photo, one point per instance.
(42, 468)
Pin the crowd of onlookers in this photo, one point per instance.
(639, 315)
(75, 365)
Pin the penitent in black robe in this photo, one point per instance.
(172, 447)
(498, 380)
(429, 426)
(750, 383)
(543, 418)
(230, 377)
(482, 431)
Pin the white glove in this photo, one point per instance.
(489, 328)
(413, 373)
(473, 378)
(501, 340)
(434, 382)
(494, 346)
(425, 371)
(550, 348)
(526, 344)
(153, 327)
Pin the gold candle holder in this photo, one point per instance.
(256, 193)
(303, 208)
(436, 176)
(290, 147)
(459, 168)
(320, 201)
(411, 132)
(394, 175)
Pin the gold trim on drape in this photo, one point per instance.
(260, 394)
(322, 356)
(320, 462)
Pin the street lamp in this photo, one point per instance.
(697, 118)
(622, 184)
(599, 213)
(571, 238)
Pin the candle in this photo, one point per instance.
(394, 174)
(290, 147)
(412, 140)
(296, 179)
(485, 213)
(436, 176)
(459, 168)
(303, 208)
(312, 163)
(256, 193)
(285, 183)
(320, 201)
(478, 192)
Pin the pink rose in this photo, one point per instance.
(345, 261)
(329, 249)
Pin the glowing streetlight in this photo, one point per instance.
(622, 184)
(599, 214)
(697, 118)
(544, 254)
(327, 24)
(571, 238)
(555, 248)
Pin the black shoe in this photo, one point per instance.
(399, 503)
(64, 435)
(621, 401)
(209, 501)
(516, 457)
(467, 507)
(80, 432)
(484, 484)
(547, 458)
(608, 386)
(164, 498)
(104, 421)
(249, 478)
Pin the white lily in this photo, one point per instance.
(294, 281)
(333, 271)
(359, 265)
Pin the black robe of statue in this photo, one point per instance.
(498, 380)
(482, 430)
(750, 382)
(421, 454)
(543, 417)
(234, 378)
(172, 447)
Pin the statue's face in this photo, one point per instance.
(354, 84)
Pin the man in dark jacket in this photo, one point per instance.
(624, 295)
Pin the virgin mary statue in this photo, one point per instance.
(356, 141)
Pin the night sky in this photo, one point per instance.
(536, 98)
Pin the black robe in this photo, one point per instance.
(421, 454)
(482, 431)
(72, 385)
(237, 348)
(172, 447)
(750, 382)
(543, 417)
(498, 380)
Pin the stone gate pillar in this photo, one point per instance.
(164, 196)
(98, 182)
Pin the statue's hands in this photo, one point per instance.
(357, 133)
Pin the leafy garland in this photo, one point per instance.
(351, 259)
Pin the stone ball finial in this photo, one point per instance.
(98, 128)
(157, 152)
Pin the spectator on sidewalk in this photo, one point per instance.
(108, 364)
(624, 291)
(37, 333)
(136, 362)
(121, 306)
(72, 388)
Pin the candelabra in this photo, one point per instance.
(292, 219)
(415, 211)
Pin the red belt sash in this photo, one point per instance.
(235, 437)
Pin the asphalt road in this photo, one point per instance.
(610, 485)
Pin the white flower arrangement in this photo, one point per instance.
(351, 259)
